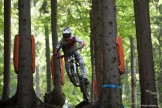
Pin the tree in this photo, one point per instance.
(98, 44)
(7, 45)
(56, 97)
(60, 97)
(48, 59)
(44, 9)
(110, 97)
(37, 81)
(133, 74)
(160, 65)
(25, 96)
(92, 59)
(145, 56)
(25, 90)
(157, 49)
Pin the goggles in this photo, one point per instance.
(67, 35)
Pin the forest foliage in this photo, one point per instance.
(76, 14)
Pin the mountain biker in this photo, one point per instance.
(68, 43)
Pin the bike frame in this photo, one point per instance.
(71, 60)
(77, 81)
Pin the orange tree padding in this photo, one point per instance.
(120, 49)
(33, 53)
(61, 70)
(16, 53)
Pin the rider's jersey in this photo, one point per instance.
(68, 45)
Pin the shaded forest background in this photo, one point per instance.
(76, 14)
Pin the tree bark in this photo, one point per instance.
(159, 85)
(37, 81)
(145, 56)
(110, 97)
(25, 80)
(25, 96)
(133, 74)
(7, 48)
(92, 56)
(48, 59)
(56, 97)
(126, 85)
(98, 44)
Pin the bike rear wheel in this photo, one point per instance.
(84, 90)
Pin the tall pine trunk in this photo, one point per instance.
(159, 85)
(25, 96)
(126, 85)
(110, 97)
(25, 87)
(7, 45)
(92, 56)
(98, 44)
(37, 81)
(133, 74)
(145, 56)
(48, 59)
(56, 97)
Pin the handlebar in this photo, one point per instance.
(69, 53)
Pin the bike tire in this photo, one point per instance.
(84, 90)
(74, 78)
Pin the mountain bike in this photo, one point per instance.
(74, 74)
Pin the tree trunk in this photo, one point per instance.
(92, 56)
(133, 74)
(25, 87)
(25, 92)
(126, 85)
(48, 59)
(159, 85)
(93, 87)
(7, 45)
(37, 81)
(145, 56)
(98, 44)
(56, 97)
(110, 96)
(25, 96)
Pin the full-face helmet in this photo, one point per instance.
(66, 32)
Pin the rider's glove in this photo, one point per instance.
(83, 44)
(57, 55)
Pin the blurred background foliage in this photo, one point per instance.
(76, 15)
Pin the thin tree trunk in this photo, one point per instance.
(126, 84)
(110, 97)
(133, 74)
(92, 56)
(7, 45)
(37, 81)
(48, 59)
(56, 97)
(145, 56)
(54, 41)
(159, 85)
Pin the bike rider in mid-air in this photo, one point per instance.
(68, 43)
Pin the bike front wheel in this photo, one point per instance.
(73, 76)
